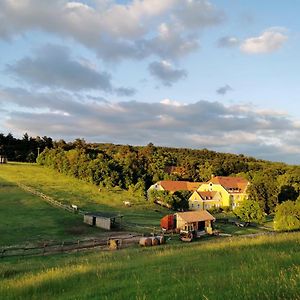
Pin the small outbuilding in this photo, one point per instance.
(195, 221)
(103, 220)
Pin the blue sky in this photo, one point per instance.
(184, 73)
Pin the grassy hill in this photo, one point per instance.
(262, 267)
(238, 268)
(27, 218)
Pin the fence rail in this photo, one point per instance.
(66, 246)
(49, 199)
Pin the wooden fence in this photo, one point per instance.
(50, 200)
(66, 246)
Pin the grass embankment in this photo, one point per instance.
(26, 218)
(239, 268)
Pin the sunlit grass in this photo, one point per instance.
(262, 268)
(26, 218)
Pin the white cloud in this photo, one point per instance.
(204, 124)
(269, 41)
(112, 30)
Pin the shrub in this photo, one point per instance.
(287, 216)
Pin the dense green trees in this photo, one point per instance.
(25, 149)
(136, 168)
(287, 216)
(250, 211)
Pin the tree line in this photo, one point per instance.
(138, 167)
(25, 149)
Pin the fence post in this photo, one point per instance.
(62, 246)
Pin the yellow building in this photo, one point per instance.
(204, 200)
(220, 191)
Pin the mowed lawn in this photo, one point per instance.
(265, 267)
(25, 217)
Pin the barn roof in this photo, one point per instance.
(173, 186)
(196, 216)
(107, 215)
(231, 183)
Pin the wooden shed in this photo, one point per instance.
(3, 159)
(194, 221)
(103, 220)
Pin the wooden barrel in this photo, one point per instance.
(145, 241)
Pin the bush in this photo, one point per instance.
(250, 211)
(287, 216)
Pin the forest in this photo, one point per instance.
(137, 167)
(25, 149)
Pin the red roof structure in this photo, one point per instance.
(231, 184)
(173, 186)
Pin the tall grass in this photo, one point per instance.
(262, 268)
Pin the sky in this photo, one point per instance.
(217, 74)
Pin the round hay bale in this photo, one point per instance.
(145, 241)
(113, 244)
(154, 241)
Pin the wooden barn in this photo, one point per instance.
(103, 220)
(3, 159)
(195, 221)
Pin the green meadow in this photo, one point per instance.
(265, 267)
(26, 218)
(261, 267)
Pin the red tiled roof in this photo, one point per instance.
(173, 186)
(207, 195)
(196, 216)
(235, 184)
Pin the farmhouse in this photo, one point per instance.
(174, 186)
(103, 220)
(231, 191)
(204, 200)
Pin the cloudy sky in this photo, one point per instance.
(218, 74)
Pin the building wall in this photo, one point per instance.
(180, 222)
(197, 203)
(103, 223)
(225, 197)
(88, 219)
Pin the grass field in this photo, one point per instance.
(26, 218)
(265, 267)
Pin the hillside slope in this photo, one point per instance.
(239, 268)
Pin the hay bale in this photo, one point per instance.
(145, 241)
(113, 244)
(161, 239)
(154, 241)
